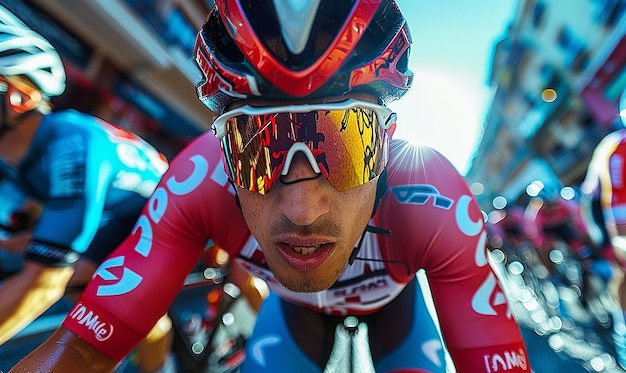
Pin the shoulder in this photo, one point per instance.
(610, 143)
(429, 208)
(67, 117)
(64, 123)
(205, 146)
(613, 144)
(412, 163)
(423, 183)
(198, 167)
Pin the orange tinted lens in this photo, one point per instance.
(349, 146)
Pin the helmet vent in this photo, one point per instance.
(296, 18)
(267, 20)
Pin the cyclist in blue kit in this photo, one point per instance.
(92, 178)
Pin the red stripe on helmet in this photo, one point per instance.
(297, 83)
(384, 68)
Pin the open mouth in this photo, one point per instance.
(305, 250)
(305, 258)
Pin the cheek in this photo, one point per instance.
(360, 201)
(252, 206)
(366, 192)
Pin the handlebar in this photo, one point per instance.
(351, 350)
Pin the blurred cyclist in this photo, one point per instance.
(606, 195)
(335, 216)
(93, 178)
(553, 218)
(508, 228)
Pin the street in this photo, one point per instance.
(571, 341)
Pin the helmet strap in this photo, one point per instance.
(381, 190)
(232, 184)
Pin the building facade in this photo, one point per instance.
(556, 75)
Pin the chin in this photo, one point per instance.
(307, 284)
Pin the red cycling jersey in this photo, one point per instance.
(434, 221)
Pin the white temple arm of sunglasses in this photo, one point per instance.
(386, 116)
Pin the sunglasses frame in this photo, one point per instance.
(386, 116)
(28, 97)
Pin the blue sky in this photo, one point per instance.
(453, 42)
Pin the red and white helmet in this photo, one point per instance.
(289, 50)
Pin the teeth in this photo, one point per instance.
(305, 250)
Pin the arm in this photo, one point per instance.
(66, 220)
(65, 352)
(28, 294)
(17, 242)
(136, 283)
(432, 211)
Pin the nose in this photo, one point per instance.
(299, 150)
(304, 193)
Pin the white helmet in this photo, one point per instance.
(25, 52)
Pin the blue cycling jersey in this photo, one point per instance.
(93, 179)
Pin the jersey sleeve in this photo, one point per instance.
(136, 283)
(437, 225)
(79, 167)
(73, 209)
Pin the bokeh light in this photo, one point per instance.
(568, 193)
(499, 202)
(534, 188)
(477, 188)
(548, 95)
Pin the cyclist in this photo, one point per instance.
(334, 216)
(553, 218)
(91, 177)
(605, 204)
(509, 227)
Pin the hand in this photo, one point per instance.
(17, 242)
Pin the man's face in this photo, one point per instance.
(306, 228)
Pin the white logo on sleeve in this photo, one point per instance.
(126, 283)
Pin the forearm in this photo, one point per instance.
(28, 294)
(65, 352)
(17, 242)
